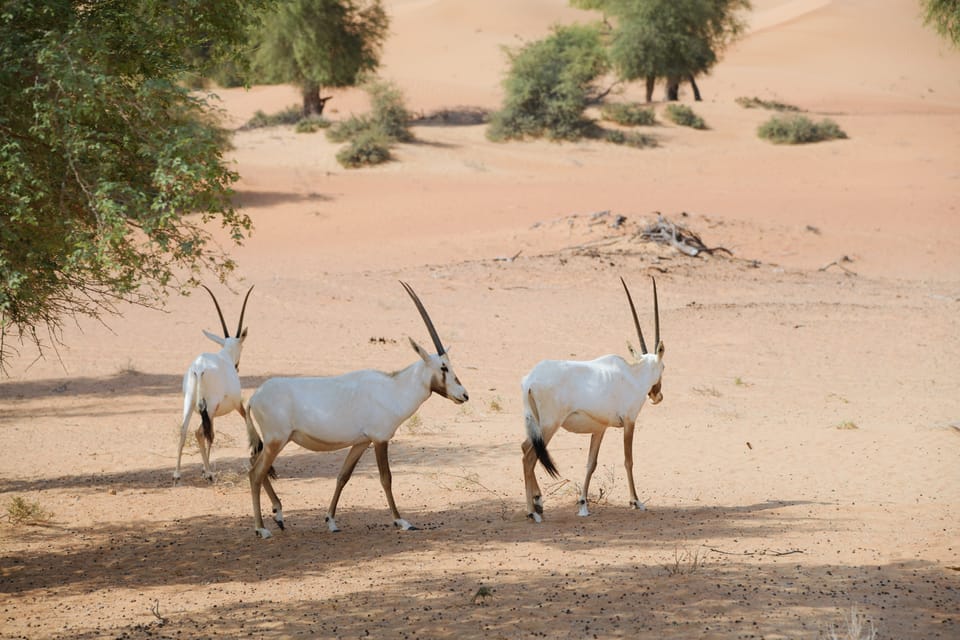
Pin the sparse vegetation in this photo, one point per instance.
(799, 130)
(312, 124)
(847, 425)
(628, 114)
(684, 116)
(757, 103)
(633, 139)
(495, 405)
(291, 115)
(371, 136)
(20, 511)
(685, 562)
(856, 626)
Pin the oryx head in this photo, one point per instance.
(231, 344)
(444, 381)
(652, 360)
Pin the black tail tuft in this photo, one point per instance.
(207, 424)
(544, 457)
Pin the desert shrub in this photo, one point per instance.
(19, 511)
(389, 112)
(799, 130)
(311, 124)
(630, 139)
(757, 103)
(547, 87)
(367, 148)
(629, 114)
(349, 129)
(291, 115)
(684, 116)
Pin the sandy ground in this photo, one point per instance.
(802, 468)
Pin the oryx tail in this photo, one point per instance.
(535, 433)
(256, 443)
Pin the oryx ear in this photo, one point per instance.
(214, 337)
(660, 350)
(633, 352)
(420, 352)
(243, 334)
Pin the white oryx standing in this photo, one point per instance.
(588, 397)
(211, 386)
(352, 410)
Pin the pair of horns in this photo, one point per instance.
(226, 333)
(656, 317)
(426, 319)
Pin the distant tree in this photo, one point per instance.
(944, 16)
(549, 84)
(103, 155)
(319, 43)
(673, 40)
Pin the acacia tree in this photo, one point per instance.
(672, 40)
(103, 156)
(944, 16)
(319, 43)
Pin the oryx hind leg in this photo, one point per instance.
(259, 478)
(205, 442)
(386, 479)
(184, 426)
(349, 464)
(628, 465)
(595, 439)
(534, 495)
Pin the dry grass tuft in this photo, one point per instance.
(19, 511)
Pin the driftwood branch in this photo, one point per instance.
(839, 264)
(762, 552)
(679, 237)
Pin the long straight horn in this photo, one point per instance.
(656, 315)
(636, 322)
(244, 308)
(226, 334)
(426, 319)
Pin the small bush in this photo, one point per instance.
(19, 511)
(367, 148)
(799, 130)
(773, 105)
(630, 114)
(684, 116)
(388, 112)
(630, 139)
(349, 129)
(291, 115)
(312, 124)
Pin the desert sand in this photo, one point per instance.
(802, 469)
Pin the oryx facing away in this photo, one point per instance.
(352, 410)
(588, 397)
(211, 386)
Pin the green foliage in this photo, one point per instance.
(291, 115)
(669, 38)
(319, 43)
(349, 129)
(102, 156)
(799, 130)
(629, 114)
(684, 116)
(19, 511)
(367, 148)
(311, 124)
(944, 16)
(548, 86)
(389, 111)
(772, 105)
(633, 139)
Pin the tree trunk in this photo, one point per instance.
(696, 89)
(673, 89)
(651, 80)
(313, 104)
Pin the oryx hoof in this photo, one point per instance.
(583, 512)
(639, 506)
(278, 518)
(208, 476)
(400, 523)
(263, 533)
(538, 507)
(332, 525)
(536, 517)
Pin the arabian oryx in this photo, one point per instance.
(211, 386)
(352, 410)
(588, 397)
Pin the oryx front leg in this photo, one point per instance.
(628, 464)
(595, 440)
(386, 479)
(259, 478)
(353, 457)
(534, 498)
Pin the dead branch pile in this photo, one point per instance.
(679, 237)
